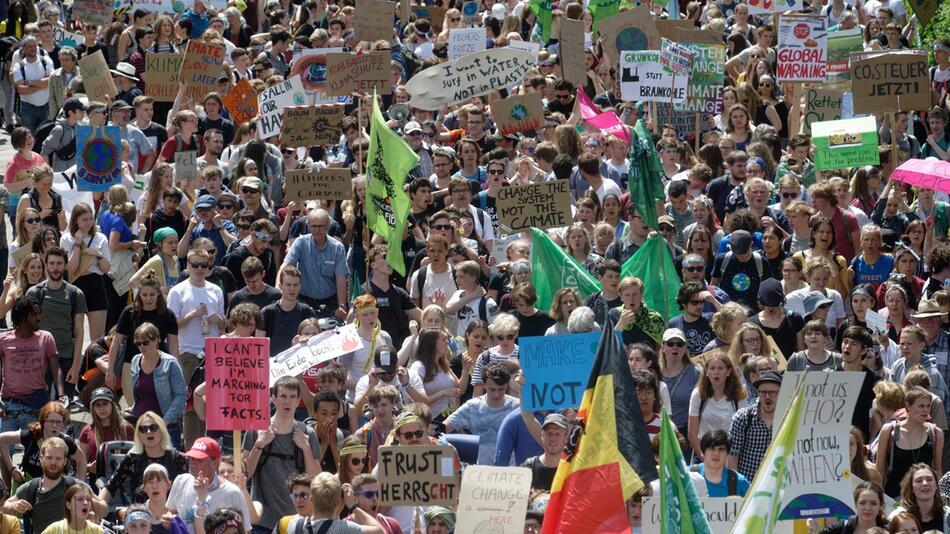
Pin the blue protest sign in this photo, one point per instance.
(98, 163)
(556, 369)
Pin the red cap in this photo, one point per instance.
(204, 448)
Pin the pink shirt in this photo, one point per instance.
(25, 361)
(18, 168)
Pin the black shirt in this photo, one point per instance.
(30, 463)
(786, 335)
(542, 476)
(534, 325)
(741, 279)
(235, 258)
(159, 219)
(281, 325)
(270, 295)
(393, 305)
(601, 306)
(129, 320)
(862, 407)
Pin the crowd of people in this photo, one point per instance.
(781, 267)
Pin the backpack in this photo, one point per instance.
(702, 406)
(180, 143)
(73, 299)
(33, 490)
(64, 153)
(759, 263)
(297, 456)
(732, 479)
(421, 279)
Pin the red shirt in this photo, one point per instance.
(170, 146)
(25, 362)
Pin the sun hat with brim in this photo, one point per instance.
(928, 308)
(126, 70)
(813, 301)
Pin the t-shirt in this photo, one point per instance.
(740, 280)
(58, 314)
(355, 362)
(62, 527)
(30, 462)
(182, 498)
(717, 413)
(722, 488)
(129, 321)
(542, 476)
(281, 325)
(681, 387)
(18, 168)
(533, 325)
(279, 460)
(185, 297)
(393, 305)
(484, 421)
(48, 505)
(435, 283)
(270, 295)
(800, 362)
(601, 306)
(472, 311)
(234, 260)
(786, 335)
(440, 381)
(25, 361)
(415, 383)
(698, 333)
(338, 526)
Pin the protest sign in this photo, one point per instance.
(802, 48)
(473, 75)
(324, 184)
(675, 57)
(818, 477)
(96, 77)
(493, 497)
(643, 78)
(572, 52)
(821, 105)
(629, 30)
(434, 14)
(321, 348)
(518, 113)
(695, 36)
(98, 12)
(417, 475)
(469, 14)
(271, 104)
(373, 20)
(160, 6)
(875, 322)
(186, 166)
(202, 64)
(98, 152)
(924, 9)
(241, 102)
(543, 205)
(669, 29)
(237, 383)
(891, 81)
(704, 89)
(465, 41)
(845, 143)
(351, 73)
(311, 125)
(161, 75)
(66, 38)
(311, 65)
(721, 513)
(841, 44)
(533, 48)
(757, 7)
(556, 369)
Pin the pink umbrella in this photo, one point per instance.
(930, 173)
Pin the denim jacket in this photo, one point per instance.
(169, 385)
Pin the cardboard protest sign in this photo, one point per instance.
(98, 12)
(821, 105)
(373, 20)
(186, 166)
(202, 64)
(556, 369)
(351, 73)
(675, 57)
(533, 48)
(473, 75)
(644, 79)
(161, 75)
(96, 77)
(311, 125)
(311, 65)
(721, 513)
(891, 81)
(572, 52)
(542, 205)
(669, 29)
(434, 14)
(241, 102)
(417, 475)
(325, 184)
(324, 347)
(757, 7)
(272, 102)
(845, 143)
(518, 113)
(924, 9)
(98, 151)
(464, 41)
(493, 496)
(629, 30)
(237, 383)
(818, 478)
(704, 88)
(802, 48)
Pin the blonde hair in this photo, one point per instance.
(504, 323)
(726, 315)
(325, 493)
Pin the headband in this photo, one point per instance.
(234, 521)
(367, 307)
(137, 515)
(163, 233)
(350, 449)
(941, 47)
(405, 420)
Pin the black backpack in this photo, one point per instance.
(732, 479)
(64, 153)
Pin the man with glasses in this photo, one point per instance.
(750, 432)
(252, 191)
(694, 270)
(694, 322)
(413, 134)
(299, 487)
(443, 162)
(482, 416)
(476, 128)
(26, 353)
(207, 222)
(199, 307)
(258, 246)
(366, 488)
(321, 261)
(460, 193)
(286, 448)
(563, 102)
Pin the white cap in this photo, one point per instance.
(499, 11)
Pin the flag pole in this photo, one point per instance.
(359, 121)
(666, 292)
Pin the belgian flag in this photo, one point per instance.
(608, 456)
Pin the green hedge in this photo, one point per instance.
(939, 26)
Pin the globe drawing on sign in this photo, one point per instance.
(100, 160)
(519, 112)
(299, 98)
(631, 39)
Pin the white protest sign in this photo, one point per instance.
(465, 41)
(721, 513)
(65, 38)
(65, 183)
(818, 475)
(802, 48)
(473, 75)
(493, 498)
(272, 102)
(643, 78)
(326, 346)
(875, 322)
(675, 57)
(533, 48)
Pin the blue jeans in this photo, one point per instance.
(32, 116)
(174, 432)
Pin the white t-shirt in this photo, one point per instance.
(871, 7)
(608, 187)
(185, 297)
(98, 243)
(435, 282)
(795, 301)
(355, 362)
(41, 68)
(414, 383)
(182, 498)
(440, 381)
(470, 311)
(717, 414)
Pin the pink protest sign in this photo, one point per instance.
(237, 383)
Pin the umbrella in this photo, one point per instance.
(930, 173)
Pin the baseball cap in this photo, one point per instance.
(549, 61)
(741, 241)
(253, 182)
(204, 448)
(101, 394)
(771, 293)
(385, 360)
(673, 333)
(768, 377)
(666, 219)
(555, 419)
(205, 201)
(412, 126)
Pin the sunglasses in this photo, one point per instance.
(496, 171)
(368, 494)
(148, 429)
(695, 269)
(142, 342)
(364, 460)
(244, 227)
(249, 190)
(697, 301)
(33, 220)
(226, 207)
(304, 496)
(506, 337)
(454, 19)
(441, 226)
(674, 343)
(202, 265)
(417, 434)
(789, 195)
(263, 236)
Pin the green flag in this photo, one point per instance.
(543, 12)
(680, 509)
(653, 265)
(387, 205)
(760, 509)
(646, 171)
(601, 10)
(552, 269)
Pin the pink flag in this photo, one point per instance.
(607, 122)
